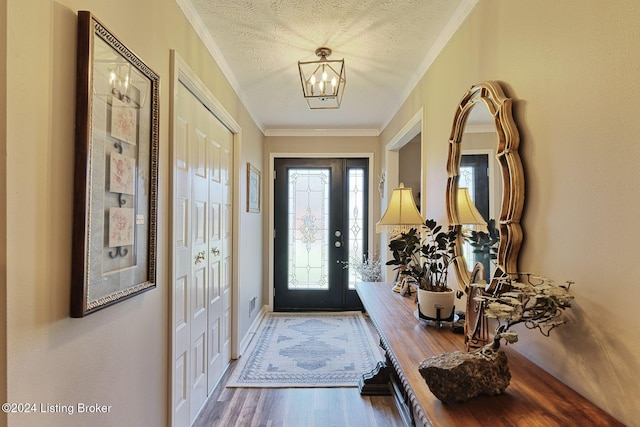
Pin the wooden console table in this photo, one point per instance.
(533, 398)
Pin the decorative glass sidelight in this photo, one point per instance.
(356, 210)
(308, 234)
(467, 179)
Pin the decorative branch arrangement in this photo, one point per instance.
(367, 269)
(537, 302)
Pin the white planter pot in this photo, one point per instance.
(429, 302)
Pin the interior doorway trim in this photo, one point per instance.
(183, 74)
(491, 155)
(272, 157)
(392, 167)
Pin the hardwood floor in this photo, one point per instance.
(295, 407)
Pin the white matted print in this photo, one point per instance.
(253, 188)
(124, 121)
(122, 173)
(117, 100)
(121, 227)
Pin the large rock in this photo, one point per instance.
(459, 376)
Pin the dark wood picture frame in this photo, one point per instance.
(116, 171)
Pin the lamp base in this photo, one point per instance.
(403, 287)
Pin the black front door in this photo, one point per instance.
(321, 221)
(474, 175)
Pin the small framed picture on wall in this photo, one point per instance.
(253, 188)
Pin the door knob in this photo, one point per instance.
(200, 257)
(215, 251)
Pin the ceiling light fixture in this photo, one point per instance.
(323, 81)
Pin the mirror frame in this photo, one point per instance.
(500, 106)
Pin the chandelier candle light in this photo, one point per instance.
(323, 81)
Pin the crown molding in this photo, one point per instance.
(448, 31)
(209, 43)
(200, 29)
(321, 132)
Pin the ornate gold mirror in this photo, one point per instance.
(504, 193)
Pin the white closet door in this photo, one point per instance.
(220, 145)
(201, 304)
(199, 255)
(182, 261)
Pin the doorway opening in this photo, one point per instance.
(409, 136)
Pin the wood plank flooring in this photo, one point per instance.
(295, 407)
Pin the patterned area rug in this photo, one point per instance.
(308, 350)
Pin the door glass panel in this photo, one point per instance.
(467, 179)
(356, 211)
(308, 233)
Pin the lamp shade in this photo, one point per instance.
(401, 212)
(467, 212)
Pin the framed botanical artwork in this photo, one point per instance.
(116, 171)
(253, 188)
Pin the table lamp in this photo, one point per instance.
(401, 216)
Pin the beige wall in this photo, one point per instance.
(252, 259)
(572, 68)
(321, 144)
(409, 168)
(3, 206)
(117, 356)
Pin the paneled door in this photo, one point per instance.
(202, 162)
(321, 221)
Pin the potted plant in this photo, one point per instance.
(423, 257)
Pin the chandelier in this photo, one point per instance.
(323, 81)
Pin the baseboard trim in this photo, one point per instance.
(246, 340)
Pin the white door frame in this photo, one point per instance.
(272, 157)
(491, 153)
(182, 74)
(392, 168)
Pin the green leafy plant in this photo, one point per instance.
(536, 302)
(485, 244)
(426, 260)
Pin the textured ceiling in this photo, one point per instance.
(386, 45)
